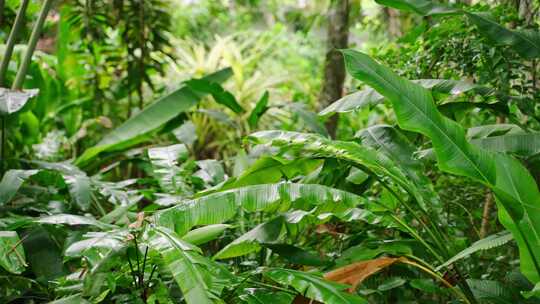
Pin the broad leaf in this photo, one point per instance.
(315, 146)
(355, 274)
(205, 234)
(421, 7)
(200, 280)
(219, 94)
(165, 161)
(525, 42)
(250, 242)
(151, 118)
(298, 255)
(12, 101)
(263, 296)
(72, 220)
(397, 147)
(260, 108)
(313, 287)
(219, 207)
(517, 195)
(12, 256)
(11, 182)
(489, 242)
(524, 144)
(369, 97)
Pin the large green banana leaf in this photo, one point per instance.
(524, 42)
(522, 144)
(165, 164)
(11, 182)
(151, 118)
(397, 147)
(369, 97)
(268, 232)
(315, 146)
(219, 207)
(200, 279)
(486, 243)
(314, 287)
(516, 192)
(273, 230)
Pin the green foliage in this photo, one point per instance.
(174, 154)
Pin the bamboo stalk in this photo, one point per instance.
(11, 40)
(36, 31)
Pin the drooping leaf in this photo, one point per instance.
(397, 147)
(72, 220)
(517, 195)
(11, 182)
(151, 118)
(525, 42)
(73, 299)
(489, 242)
(219, 94)
(421, 7)
(484, 131)
(165, 161)
(12, 257)
(298, 255)
(219, 207)
(104, 242)
(492, 291)
(363, 252)
(313, 287)
(12, 101)
(186, 133)
(369, 97)
(315, 146)
(250, 241)
(355, 274)
(523, 144)
(205, 234)
(260, 108)
(79, 184)
(200, 279)
(212, 171)
(310, 118)
(262, 296)
(43, 254)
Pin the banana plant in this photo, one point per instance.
(516, 192)
(524, 42)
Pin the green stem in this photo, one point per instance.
(36, 31)
(11, 42)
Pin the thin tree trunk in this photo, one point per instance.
(393, 21)
(2, 5)
(334, 67)
(488, 203)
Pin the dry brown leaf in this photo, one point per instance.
(138, 222)
(354, 274)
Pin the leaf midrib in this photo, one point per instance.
(431, 122)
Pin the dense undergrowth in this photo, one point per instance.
(144, 163)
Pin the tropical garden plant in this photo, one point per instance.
(226, 188)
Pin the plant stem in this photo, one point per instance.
(36, 31)
(11, 41)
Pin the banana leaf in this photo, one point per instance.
(516, 192)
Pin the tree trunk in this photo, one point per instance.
(393, 21)
(334, 67)
(525, 10)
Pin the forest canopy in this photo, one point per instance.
(269, 151)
